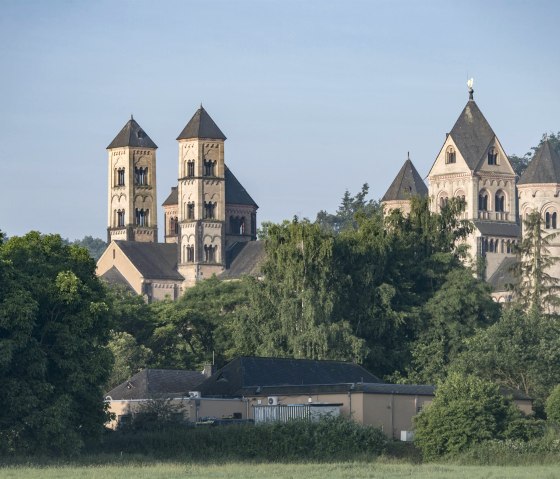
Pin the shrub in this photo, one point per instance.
(553, 405)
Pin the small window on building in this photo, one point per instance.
(209, 210)
(483, 201)
(492, 156)
(120, 218)
(120, 177)
(141, 176)
(500, 200)
(190, 254)
(190, 168)
(141, 217)
(190, 211)
(450, 155)
(550, 220)
(209, 168)
(210, 253)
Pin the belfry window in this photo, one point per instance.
(190, 168)
(141, 217)
(190, 211)
(120, 177)
(120, 218)
(492, 156)
(141, 176)
(500, 200)
(209, 210)
(550, 220)
(450, 155)
(483, 201)
(210, 253)
(237, 225)
(209, 168)
(190, 254)
(173, 225)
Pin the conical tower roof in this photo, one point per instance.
(201, 125)
(132, 134)
(544, 167)
(472, 134)
(406, 184)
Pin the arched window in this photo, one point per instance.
(443, 200)
(550, 220)
(492, 156)
(209, 210)
(491, 246)
(190, 168)
(120, 177)
(190, 254)
(141, 176)
(209, 168)
(483, 201)
(176, 227)
(120, 217)
(500, 201)
(141, 217)
(190, 211)
(450, 155)
(210, 253)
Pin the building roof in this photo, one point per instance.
(173, 198)
(152, 260)
(544, 167)
(114, 277)
(235, 193)
(406, 184)
(503, 277)
(201, 125)
(244, 373)
(472, 134)
(157, 383)
(244, 258)
(498, 228)
(132, 134)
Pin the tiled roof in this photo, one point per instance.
(173, 198)
(472, 134)
(132, 134)
(498, 228)
(254, 372)
(244, 258)
(153, 260)
(406, 184)
(201, 125)
(503, 277)
(157, 383)
(544, 167)
(235, 193)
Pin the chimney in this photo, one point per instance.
(208, 370)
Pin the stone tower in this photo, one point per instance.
(201, 199)
(132, 212)
(407, 183)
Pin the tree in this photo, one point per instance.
(536, 288)
(466, 410)
(95, 246)
(553, 405)
(54, 326)
(520, 163)
(129, 358)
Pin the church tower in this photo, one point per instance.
(201, 199)
(407, 184)
(132, 213)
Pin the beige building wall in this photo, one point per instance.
(170, 212)
(113, 256)
(403, 205)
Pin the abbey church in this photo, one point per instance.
(210, 220)
(473, 165)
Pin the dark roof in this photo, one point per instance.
(201, 125)
(114, 277)
(544, 167)
(472, 134)
(407, 183)
(253, 372)
(498, 228)
(368, 388)
(153, 260)
(503, 276)
(132, 134)
(173, 198)
(244, 258)
(156, 383)
(235, 193)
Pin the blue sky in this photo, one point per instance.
(315, 97)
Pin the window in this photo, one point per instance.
(500, 200)
(176, 228)
(120, 177)
(492, 156)
(190, 211)
(483, 201)
(120, 218)
(450, 155)
(210, 253)
(209, 168)
(190, 254)
(443, 200)
(190, 168)
(141, 217)
(173, 225)
(550, 220)
(237, 225)
(141, 176)
(209, 210)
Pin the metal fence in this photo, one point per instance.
(287, 412)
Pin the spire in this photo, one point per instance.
(201, 125)
(132, 134)
(544, 167)
(406, 184)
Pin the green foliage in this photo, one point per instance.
(466, 410)
(54, 325)
(519, 164)
(325, 440)
(553, 405)
(129, 358)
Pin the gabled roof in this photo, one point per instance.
(472, 134)
(406, 184)
(498, 228)
(235, 193)
(157, 383)
(152, 260)
(503, 276)
(114, 277)
(254, 372)
(544, 167)
(173, 198)
(201, 125)
(132, 134)
(244, 258)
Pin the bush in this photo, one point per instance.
(553, 405)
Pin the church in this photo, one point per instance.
(472, 164)
(210, 220)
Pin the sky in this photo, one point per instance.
(316, 97)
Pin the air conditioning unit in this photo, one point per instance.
(407, 436)
(194, 394)
(273, 400)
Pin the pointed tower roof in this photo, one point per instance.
(132, 134)
(406, 184)
(472, 134)
(544, 167)
(201, 125)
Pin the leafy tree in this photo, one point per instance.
(130, 357)
(466, 410)
(54, 325)
(553, 405)
(520, 163)
(95, 246)
(130, 313)
(520, 351)
(536, 288)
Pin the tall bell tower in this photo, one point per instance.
(132, 205)
(201, 199)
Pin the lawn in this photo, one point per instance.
(175, 470)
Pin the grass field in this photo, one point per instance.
(284, 471)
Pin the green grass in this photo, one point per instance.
(175, 470)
